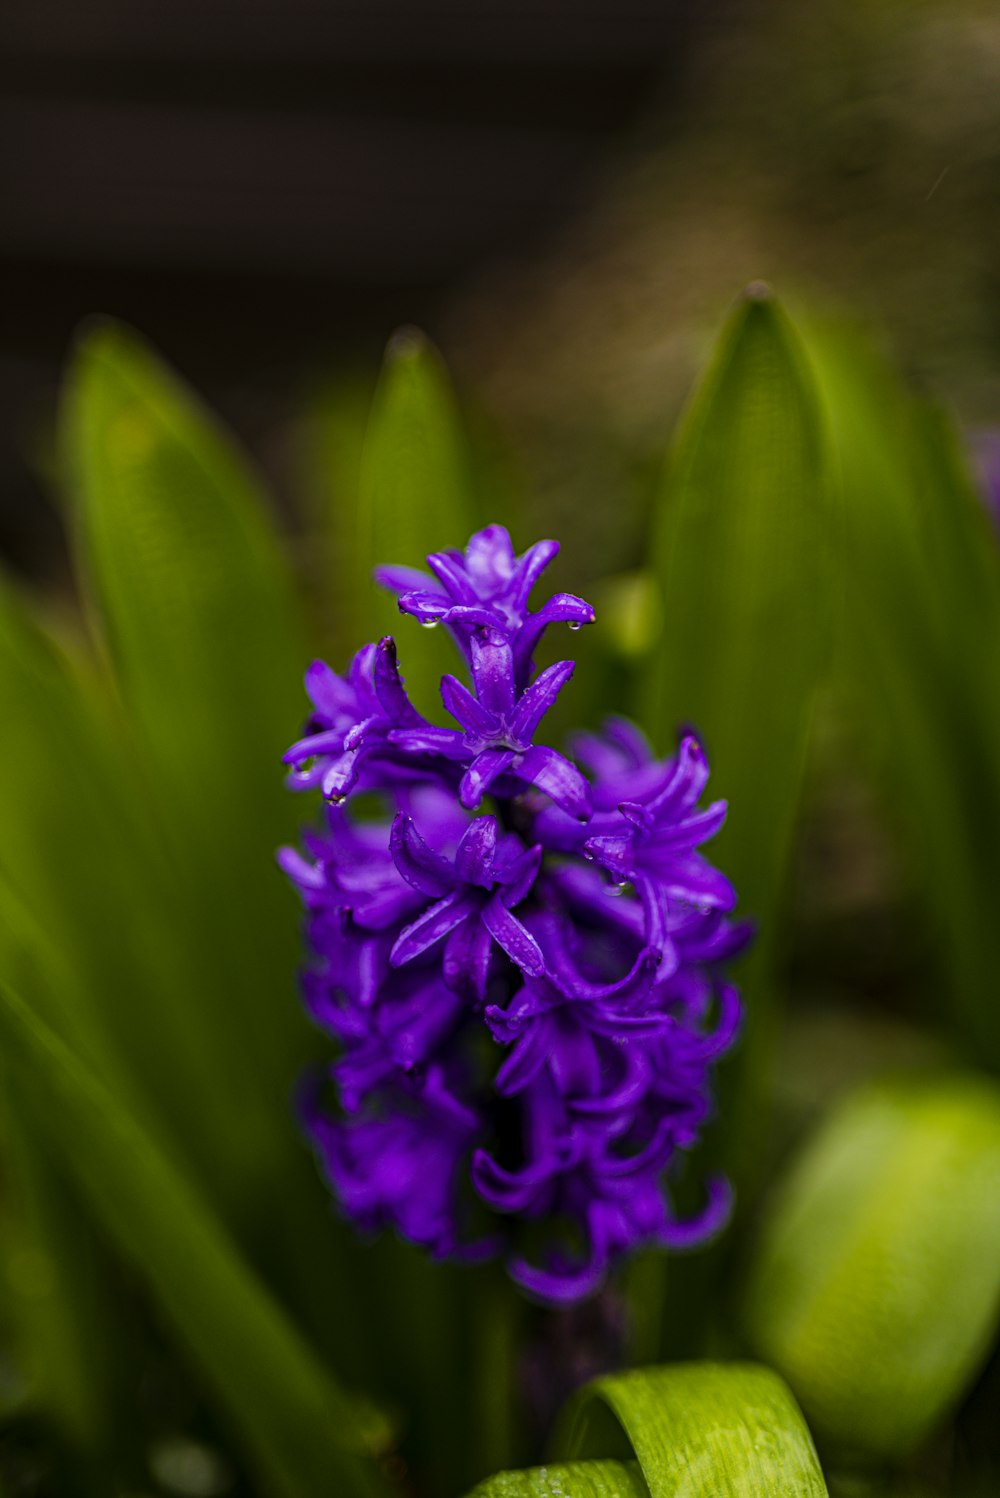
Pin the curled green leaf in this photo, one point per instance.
(567, 1480)
(704, 1430)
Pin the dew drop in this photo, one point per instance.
(429, 623)
(619, 889)
(575, 624)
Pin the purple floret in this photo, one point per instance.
(528, 1000)
(487, 586)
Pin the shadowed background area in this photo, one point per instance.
(565, 196)
(270, 188)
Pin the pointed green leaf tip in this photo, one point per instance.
(876, 1286)
(414, 484)
(704, 1430)
(181, 555)
(193, 596)
(305, 1432)
(414, 499)
(739, 548)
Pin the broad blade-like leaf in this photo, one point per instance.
(303, 1430)
(920, 594)
(876, 1285)
(196, 604)
(739, 546)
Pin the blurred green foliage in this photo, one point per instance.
(170, 1266)
(875, 1288)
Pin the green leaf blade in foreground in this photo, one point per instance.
(303, 1430)
(875, 1290)
(197, 607)
(567, 1480)
(414, 500)
(707, 1430)
(192, 587)
(739, 548)
(195, 602)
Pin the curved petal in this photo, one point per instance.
(467, 959)
(516, 940)
(446, 741)
(530, 568)
(435, 923)
(705, 1224)
(519, 876)
(476, 853)
(390, 689)
(686, 783)
(558, 778)
(493, 669)
(467, 710)
(405, 580)
(481, 774)
(329, 741)
(419, 865)
(510, 1190)
(537, 699)
(449, 569)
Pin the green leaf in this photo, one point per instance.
(740, 548)
(66, 810)
(567, 1480)
(67, 1316)
(415, 499)
(707, 1430)
(875, 1289)
(196, 605)
(920, 625)
(192, 589)
(303, 1430)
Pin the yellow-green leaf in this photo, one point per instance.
(740, 550)
(567, 1480)
(704, 1430)
(875, 1289)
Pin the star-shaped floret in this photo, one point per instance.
(473, 897)
(498, 726)
(352, 719)
(487, 585)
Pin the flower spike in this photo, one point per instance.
(520, 957)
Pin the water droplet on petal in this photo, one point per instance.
(429, 623)
(575, 624)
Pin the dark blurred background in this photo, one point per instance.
(566, 194)
(267, 188)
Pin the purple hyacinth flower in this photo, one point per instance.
(984, 452)
(527, 1003)
(498, 724)
(352, 719)
(488, 586)
(472, 895)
